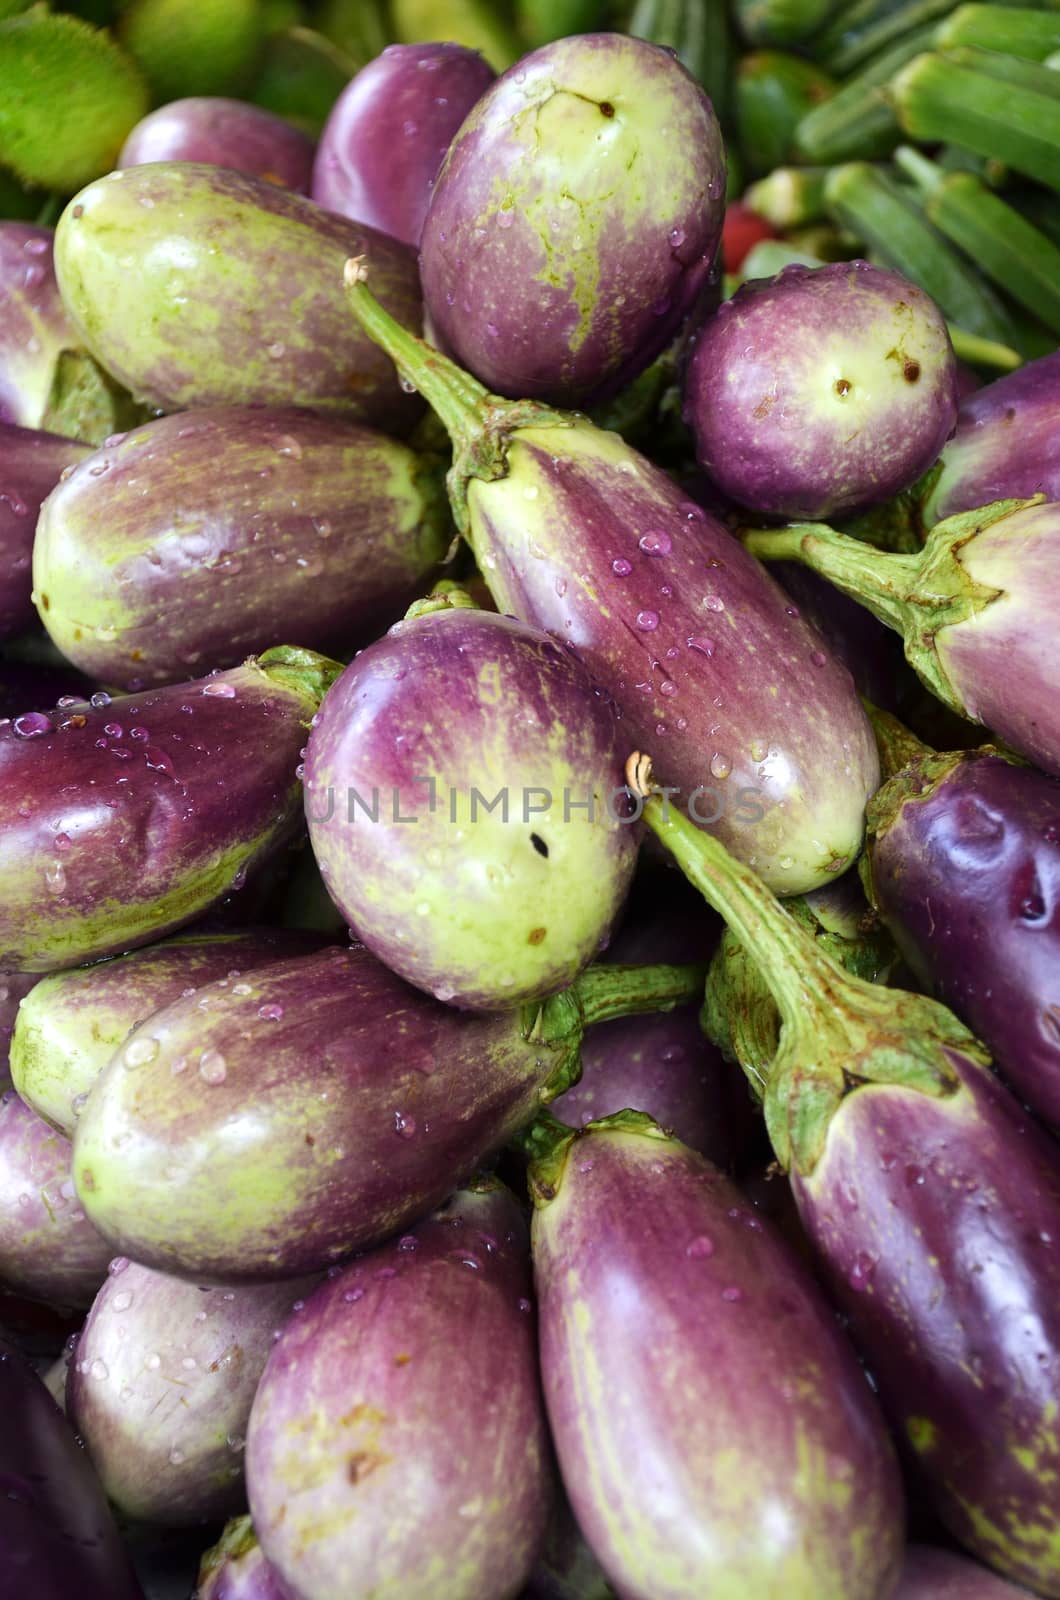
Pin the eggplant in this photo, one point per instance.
(576, 219)
(71, 1023)
(35, 327)
(485, 855)
(318, 1105)
(397, 1442)
(932, 1202)
(48, 1249)
(161, 1385)
(963, 864)
(978, 608)
(389, 131)
(578, 534)
(57, 1535)
(125, 820)
(31, 463)
(235, 1568)
(869, 650)
(932, 1574)
(197, 539)
(198, 286)
(1006, 444)
(223, 133)
(822, 391)
(714, 1431)
(14, 986)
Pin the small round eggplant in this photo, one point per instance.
(161, 1385)
(48, 1249)
(575, 222)
(1006, 444)
(389, 131)
(316, 1106)
(236, 1568)
(31, 463)
(714, 1431)
(822, 391)
(930, 1574)
(963, 864)
(148, 562)
(125, 820)
(35, 326)
(397, 1443)
(757, 729)
(491, 852)
(196, 286)
(223, 133)
(72, 1022)
(57, 1535)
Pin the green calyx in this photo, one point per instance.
(479, 424)
(445, 596)
(896, 744)
(307, 673)
(915, 594)
(85, 403)
(547, 1143)
(838, 1031)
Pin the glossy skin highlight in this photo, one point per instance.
(575, 221)
(35, 326)
(223, 133)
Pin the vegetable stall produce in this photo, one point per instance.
(529, 811)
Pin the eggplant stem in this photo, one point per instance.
(607, 992)
(882, 580)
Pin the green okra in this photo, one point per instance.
(700, 33)
(789, 197)
(858, 123)
(1006, 30)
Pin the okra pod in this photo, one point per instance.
(789, 197)
(774, 91)
(1006, 30)
(858, 123)
(700, 33)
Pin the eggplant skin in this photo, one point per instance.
(304, 1111)
(575, 221)
(235, 1568)
(931, 1574)
(35, 325)
(937, 1222)
(965, 871)
(30, 466)
(397, 1442)
(223, 133)
(714, 1431)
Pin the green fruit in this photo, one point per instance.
(193, 47)
(302, 75)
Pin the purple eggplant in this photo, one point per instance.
(484, 855)
(161, 1386)
(397, 1442)
(978, 607)
(389, 131)
(869, 650)
(30, 466)
(1006, 446)
(575, 222)
(148, 562)
(35, 327)
(822, 391)
(963, 864)
(931, 1574)
(316, 1106)
(223, 133)
(57, 1535)
(48, 1249)
(72, 1022)
(578, 534)
(714, 1431)
(125, 820)
(932, 1202)
(198, 286)
(236, 1568)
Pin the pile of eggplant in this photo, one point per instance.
(529, 858)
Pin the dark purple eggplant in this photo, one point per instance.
(963, 864)
(72, 1022)
(35, 326)
(397, 1441)
(161, 1385)
(30, 466)
(483, 854)
(199, 538)
(931, 1574)
(48, 1249)
(195, 286)
(978, 607)
(267, 1128)
(932, 1202)
(57, 1536)
(236, 1568)
(126, 819)
(223, 133)
(1006, 444)
(578, 534)
(714, 1431)
(389, 131)
(575, 222)
(870, 651)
